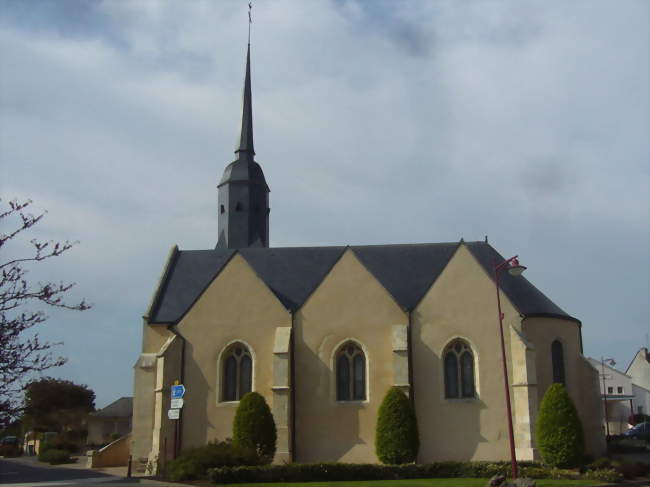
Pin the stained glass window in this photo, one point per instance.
(350, 373)
(459, 370)
(237, 373)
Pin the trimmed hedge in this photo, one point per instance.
(608, 475)
(396, 438)
(333, 472)
(559, 430)
(330, 472)
(193, 463)
(54, 456)
(253, 428)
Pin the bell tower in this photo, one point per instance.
(242, 192)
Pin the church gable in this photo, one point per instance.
(350, 286)
(462, 288)
(236, 299)
(186, 276)
(292, 272)
(407, 271)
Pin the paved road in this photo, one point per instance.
(28, 472)
(23, 472)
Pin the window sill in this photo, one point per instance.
(461, 399)
(357, 402)
(225, 404)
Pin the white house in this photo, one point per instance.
(618, 393)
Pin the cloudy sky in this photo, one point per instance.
(375, 122)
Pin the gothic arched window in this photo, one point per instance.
(557, 358)
(350, 373)
(459, 370)
(237, 373)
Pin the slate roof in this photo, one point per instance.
(528, 300)
(407, 271)
(293, 273)
(190, 272)
(122, 408)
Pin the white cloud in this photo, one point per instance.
(375, 122)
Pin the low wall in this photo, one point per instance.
(115, 454)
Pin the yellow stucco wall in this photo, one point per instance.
(154, 337)
(461, 303)
(349, 304)
(237, 305)
(581, 378)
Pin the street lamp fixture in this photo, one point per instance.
(514, 269)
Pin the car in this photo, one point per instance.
(641, 431)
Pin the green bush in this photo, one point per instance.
(63, 444)
(608, 475)
(54, 456)
(254, 428)
(599, 463)
(396, 437)
(193, 463)
(559, 431)
(330, 472)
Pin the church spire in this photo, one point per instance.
(242, 192)
(246, 137)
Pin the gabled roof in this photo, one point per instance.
(406, 271)
(122, 408)
(528, 300)
(643, 351)
(189, 274)
(292, 273)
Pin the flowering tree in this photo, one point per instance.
(23, 353)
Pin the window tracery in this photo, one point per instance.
(350, 373)
(459, 370)
(237, 373)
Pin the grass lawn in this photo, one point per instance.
(456, 482)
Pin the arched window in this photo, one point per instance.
(459, 370)
(237, 373)
(557, 358)
(350, 373)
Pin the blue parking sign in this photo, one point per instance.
(178, 391)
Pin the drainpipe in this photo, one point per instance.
(292, 390)
(179, 421)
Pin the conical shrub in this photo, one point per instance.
(559, 432)
(396, 437)
(254, 429)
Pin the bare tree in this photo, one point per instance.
(24, 353)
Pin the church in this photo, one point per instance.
(323, 333)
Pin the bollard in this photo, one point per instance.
(128, 468)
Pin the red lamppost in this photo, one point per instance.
(514, 269)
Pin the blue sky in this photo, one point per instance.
(375, 122)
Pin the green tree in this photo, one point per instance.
(254, 428)
(396, 438)
(57, 405)
(559, 430)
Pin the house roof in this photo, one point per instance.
(122, 408)
(407, 271)
(643, 351)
